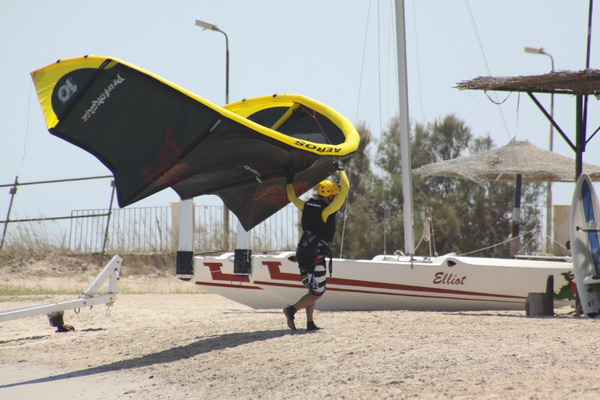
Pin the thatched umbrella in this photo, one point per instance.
(506, 162)
(580, 84)
(518, 160)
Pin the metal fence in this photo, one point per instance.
(153, 229)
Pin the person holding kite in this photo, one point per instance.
(318, 225)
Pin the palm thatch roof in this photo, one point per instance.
(585, 82)
(504, 163)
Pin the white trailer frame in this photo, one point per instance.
(111, 271)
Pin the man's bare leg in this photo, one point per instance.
(308, 300)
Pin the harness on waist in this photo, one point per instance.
(310, 245)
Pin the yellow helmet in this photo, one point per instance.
(327, 188)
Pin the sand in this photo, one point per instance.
(181, 343)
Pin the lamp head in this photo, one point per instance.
(535, 50)
(206, 25)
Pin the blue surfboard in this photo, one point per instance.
(585, 245)
(590, 219)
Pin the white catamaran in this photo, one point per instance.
(387, 282)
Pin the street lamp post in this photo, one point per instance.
(540, 50)
(207, 25)
(212, 27)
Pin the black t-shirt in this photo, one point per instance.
(311, 220)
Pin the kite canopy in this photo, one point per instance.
(153, 134)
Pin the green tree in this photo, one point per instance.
(466, 216)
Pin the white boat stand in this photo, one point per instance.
(55, 311)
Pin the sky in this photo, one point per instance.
(338, 52)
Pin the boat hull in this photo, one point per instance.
(445, 283)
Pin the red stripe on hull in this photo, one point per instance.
(516, 300)
(231, 285)
(277, 275)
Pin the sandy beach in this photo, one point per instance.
(166, 339)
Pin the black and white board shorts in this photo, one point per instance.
(312, 264)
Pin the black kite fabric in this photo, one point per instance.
(154, 135)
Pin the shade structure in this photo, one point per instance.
(579, 84)
(153, 135)
(586, 82)
(504, 163)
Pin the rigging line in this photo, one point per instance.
(417, 61)
(587, 62)
(518, 104)
(362, 66)
(496, 101)
(589, 36)
(27, 124)
(379, 65)
(487, 68)
(391, 66)
(394, 58)
(522, 235)
(313, 115)
(344, 219)
(390, 13)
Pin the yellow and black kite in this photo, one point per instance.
(153, 134)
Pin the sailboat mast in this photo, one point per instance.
(405, 153)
